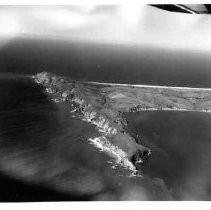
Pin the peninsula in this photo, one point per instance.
(104, 105)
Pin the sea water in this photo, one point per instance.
(44, 149)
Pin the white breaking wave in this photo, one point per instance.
(121, 157)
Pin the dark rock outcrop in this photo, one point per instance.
(91, 104)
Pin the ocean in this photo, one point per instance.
(45, 155)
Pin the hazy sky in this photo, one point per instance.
(134, 24)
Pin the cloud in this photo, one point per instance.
(138, 25)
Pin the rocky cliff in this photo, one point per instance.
(104, 105)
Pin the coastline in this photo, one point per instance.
(104, 105)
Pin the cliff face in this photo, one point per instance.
(89, 103)
(104, 105)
